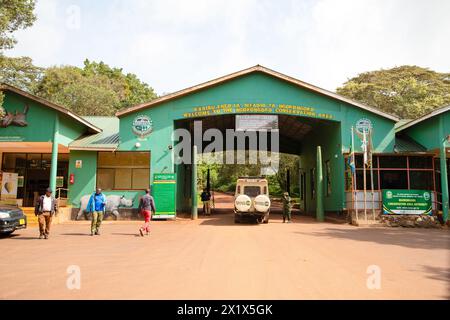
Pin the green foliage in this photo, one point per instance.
(95, 89)
(224, 176)
(14, 15)
(407, 91)
(19, 72)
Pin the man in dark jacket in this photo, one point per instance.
(44, 210)
(146, 207)
(206, 199)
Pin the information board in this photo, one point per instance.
(397, 201)
(164, 194)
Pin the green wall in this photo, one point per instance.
(40, 120)
(328, 137)
(86, 179)
(430, 132)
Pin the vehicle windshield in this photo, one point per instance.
(252, 191)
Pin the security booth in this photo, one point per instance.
(34, 139)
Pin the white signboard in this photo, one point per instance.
(9, 185)
(256, 122)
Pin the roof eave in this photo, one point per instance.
(257, 68)
(52, 105)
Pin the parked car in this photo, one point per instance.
(251, 199)
(11, 219)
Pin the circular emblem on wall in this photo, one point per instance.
(142, 126)
(363, 125)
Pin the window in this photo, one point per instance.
(252, 191)
(123, 170)
(394, 172)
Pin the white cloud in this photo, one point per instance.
(174, 44)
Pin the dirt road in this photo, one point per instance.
(212, 258)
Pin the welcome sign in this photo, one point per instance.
(399, 201)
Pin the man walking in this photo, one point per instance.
(287, 207)
(206, 199)
(146, 207)
(44, 210)
(96, 205)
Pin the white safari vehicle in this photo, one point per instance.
(251, 199)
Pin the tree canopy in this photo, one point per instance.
(407, 91)
(14, 15)
(96, 89)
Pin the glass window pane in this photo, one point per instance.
(34, 160)
(360, 180)
(421, 162)
(122, 179)
(14, 160)
(393, 179)
(105, 179)
(421, 180)
(141, 178)
(392, 162)
(46, 160)
(106, 159)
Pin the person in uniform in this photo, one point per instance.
(287, 207)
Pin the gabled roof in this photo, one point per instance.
(257, 68)
(107, 140)
(423, 118)
(70, 114)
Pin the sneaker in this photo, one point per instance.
(97, 233)
(41, 236)
(141, 232)
(45, 236)
(92, 234)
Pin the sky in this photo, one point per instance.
(174, 44)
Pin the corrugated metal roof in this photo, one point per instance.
(108, 139)
(405, 144)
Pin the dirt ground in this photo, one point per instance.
(213, 258)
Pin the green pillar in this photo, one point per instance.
(54, 164)
(194, 212)
(444, 180)
(319, 186)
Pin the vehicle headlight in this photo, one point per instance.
(4, 215)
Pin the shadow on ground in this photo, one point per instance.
(409, 238)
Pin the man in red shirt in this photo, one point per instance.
(146, 207)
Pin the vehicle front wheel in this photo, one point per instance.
(6, 234)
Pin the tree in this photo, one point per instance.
(407, 91)
(95, 89)
(19, 72)
(14, 15)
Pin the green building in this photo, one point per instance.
(121, 154)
